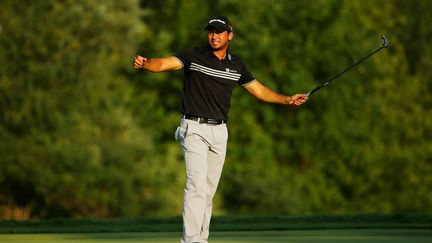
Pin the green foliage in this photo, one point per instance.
(71, 145)
(82, 134)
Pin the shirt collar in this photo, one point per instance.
(228, 56)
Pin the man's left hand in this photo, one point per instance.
(298, 99)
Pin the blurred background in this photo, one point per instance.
(83, 134)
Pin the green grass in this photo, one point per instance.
(302, 236)
(245, 223)
(295, 229)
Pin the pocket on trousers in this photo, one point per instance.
(176, 134)
(181, 131)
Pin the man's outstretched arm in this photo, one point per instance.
(156, 65)
(265, 94)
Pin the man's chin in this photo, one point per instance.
(216, 48)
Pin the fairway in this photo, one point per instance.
(370, 228)
(294, 236)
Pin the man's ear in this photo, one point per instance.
(230, 36)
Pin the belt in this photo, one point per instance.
(204, 120)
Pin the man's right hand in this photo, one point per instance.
(139, 62)
(156, 65)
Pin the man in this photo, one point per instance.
(210, 74)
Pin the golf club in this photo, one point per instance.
(384, 45)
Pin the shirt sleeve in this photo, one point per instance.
(246, 76)
(184, 57)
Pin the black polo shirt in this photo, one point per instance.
(208, 82)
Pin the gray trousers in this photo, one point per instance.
(204, 150)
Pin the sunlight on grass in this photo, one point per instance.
(302, 236)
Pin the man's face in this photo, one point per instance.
(218, 40)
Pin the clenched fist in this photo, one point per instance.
(139, 62)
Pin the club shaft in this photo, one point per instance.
(344, 71)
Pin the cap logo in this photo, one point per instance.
(216, 20)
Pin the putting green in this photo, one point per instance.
(294, 236)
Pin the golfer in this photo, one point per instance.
(210, 74)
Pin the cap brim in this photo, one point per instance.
(216, 26)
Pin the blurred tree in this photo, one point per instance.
(71, 145)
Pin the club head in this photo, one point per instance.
(384, 41)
